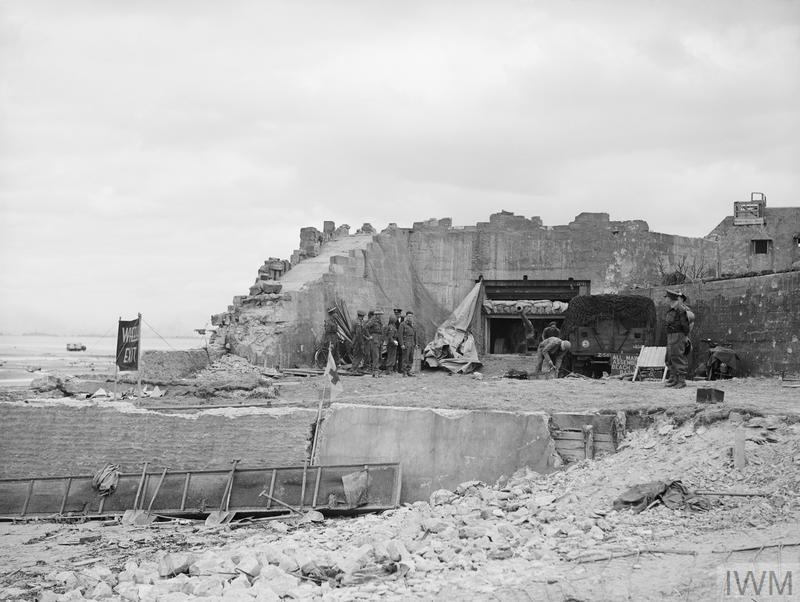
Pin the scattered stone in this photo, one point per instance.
(442, 496)
(45, 383)
(173, 564)
(101, 591)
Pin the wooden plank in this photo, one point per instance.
(568, 436)
(570, 444)
(602, 423)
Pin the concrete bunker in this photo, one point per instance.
(503, 331)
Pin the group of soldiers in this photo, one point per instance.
(369, 337)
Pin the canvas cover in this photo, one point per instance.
(453, 346)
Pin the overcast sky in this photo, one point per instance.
(153, 154)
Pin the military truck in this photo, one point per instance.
(607, 332)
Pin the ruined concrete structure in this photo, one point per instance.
(758, 238)
(431, 266)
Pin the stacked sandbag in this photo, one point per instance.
(528, 307)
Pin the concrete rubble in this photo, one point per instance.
(478, 538)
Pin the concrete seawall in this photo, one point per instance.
(77, 438)
(437, 448)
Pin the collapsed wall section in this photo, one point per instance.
(78, 438)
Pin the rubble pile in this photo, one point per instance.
(501, 534)
(234, 374)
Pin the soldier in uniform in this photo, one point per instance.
(551, 352)
(407, 335)
(551, 331)
(358, 340)
(390, 336)
(677, 325)
(398, 314)
(330, 337)
(374, 328)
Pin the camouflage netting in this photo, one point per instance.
(630, 310)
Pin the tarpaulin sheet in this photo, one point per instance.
(453, 346)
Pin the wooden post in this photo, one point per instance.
(588, 441)
(116, 359)
(139, 361)
(316, 425)
(739, 460)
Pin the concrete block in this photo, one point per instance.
(710, 395)
(437, 448)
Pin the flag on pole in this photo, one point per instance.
(332, 374)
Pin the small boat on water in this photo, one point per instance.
(76, 347)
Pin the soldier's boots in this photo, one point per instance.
(671, 381)
(680, 383)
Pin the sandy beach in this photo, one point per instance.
(23, 357)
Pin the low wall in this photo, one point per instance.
(437, 448)
(77, 438)
(759, 317)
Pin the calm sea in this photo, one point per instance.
(23, 357)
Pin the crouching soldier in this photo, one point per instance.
(551, 353)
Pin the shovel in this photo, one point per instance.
(129, 516)
(221, 517)
(143, 518)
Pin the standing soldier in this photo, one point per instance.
(390, 336)
(398, 365)
(330, 337)
(358, 340)
(375, 337)
(677, 326)
(408, 342)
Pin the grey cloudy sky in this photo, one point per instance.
(153, 154)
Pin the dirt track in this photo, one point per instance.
(491, 391)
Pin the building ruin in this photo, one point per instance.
(431, 266)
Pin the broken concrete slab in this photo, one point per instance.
(437, 448)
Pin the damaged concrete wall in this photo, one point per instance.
(55, 438)
(737, 254)
(437, 448)
(432, 266)
(612, 254)
(758, 316)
